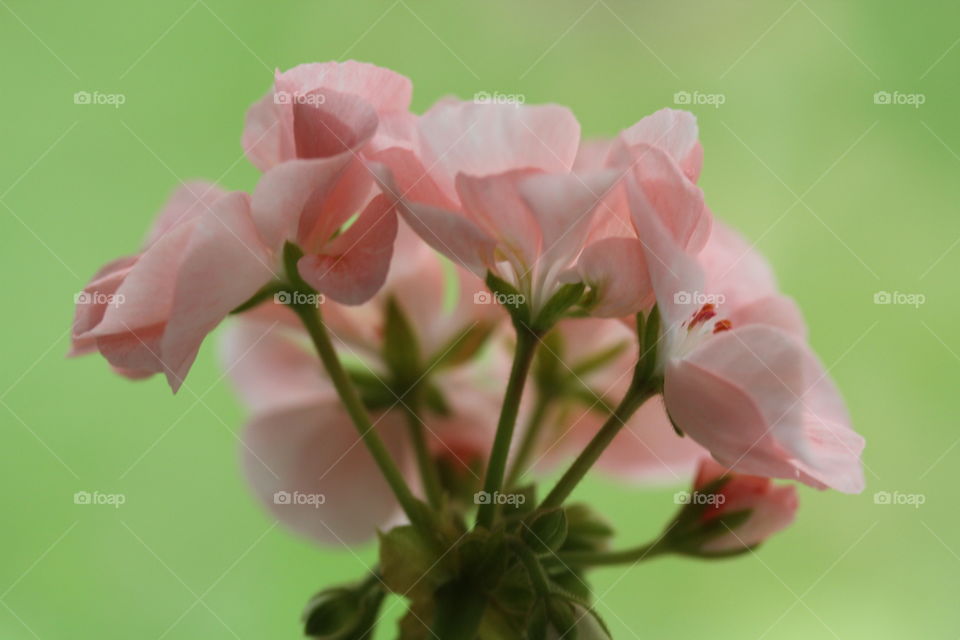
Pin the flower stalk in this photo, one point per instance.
(527, 341)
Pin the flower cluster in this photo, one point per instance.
(379, 276)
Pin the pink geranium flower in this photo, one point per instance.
(148, 313)
(739, 378)
(316, 135)
(493, 187)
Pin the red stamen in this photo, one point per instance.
(705, 313)
(722, 325)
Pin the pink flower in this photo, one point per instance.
(771, 508)
(739, 378)
(492, 187)
(148, 313)
(596, 361)
(316, 135)
(662, 154)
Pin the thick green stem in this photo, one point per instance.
(633, 400)
(496, 467)
(313, 323)
(607, 558)
(425, 462)
(522, 459)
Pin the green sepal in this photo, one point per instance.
(464, 346)
(587, 530)
(266, 291)
(648, 333)
(600, 359)
(409, 563)
(562, 617)
(401, 350)
(546, 531)
(519, 313)
(557, 306)
(344, 613)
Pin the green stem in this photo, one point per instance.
(525, 450)
(607, 558)
(425, 462)
(313, 323)
(633, 400)
(523, 356)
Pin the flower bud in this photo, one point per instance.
(342, 612)
(547, 531)
(729, 513)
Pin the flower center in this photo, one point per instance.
(702, 324)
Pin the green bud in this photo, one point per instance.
(343, 613)
(546, 531)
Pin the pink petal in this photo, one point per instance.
(563, 206)
(751, 397)
(673, 131)
(616, 269)
(774, 310)
(671, 268)
(225, 264)
(383, 89)
(272, 368)
(284, 191)
(93, 301)
(263, 136)
(659, 186)
(451, 234)
(316, 451)
(352, 267)
(189, 201)
(494, 204)
(269, 136)
(486, 139)
(327, 123)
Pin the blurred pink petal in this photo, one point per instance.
(310, 469)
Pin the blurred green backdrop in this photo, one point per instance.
(848, 196)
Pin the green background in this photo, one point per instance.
(846, 197)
